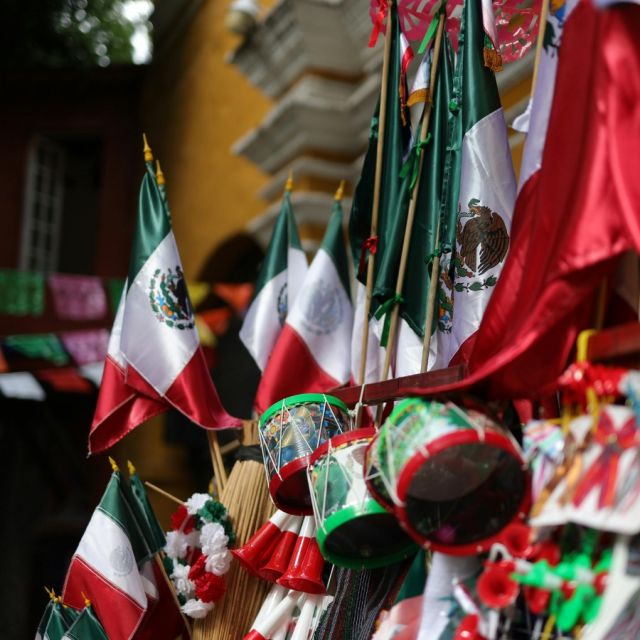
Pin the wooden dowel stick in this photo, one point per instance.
(544, 12)
(371, 261)
(162, 492)
(408, 229)
(172, 588)
(216, 460)
(431, 304)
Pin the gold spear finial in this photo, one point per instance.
(159, 174)
(132, 469)
(148, 154)
(289, 186)
(114, 466)
(340, 191)
(51, 593)
(87, 602)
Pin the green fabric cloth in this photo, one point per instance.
(150, 525)
(21, 293)
(86, 627)
(153, 223)
(394, 190)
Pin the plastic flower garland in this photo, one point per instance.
(197, 554)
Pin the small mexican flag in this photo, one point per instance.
(393, 203)
(154, 360)
(312, 352)
(86, 627)
(55, 620)
(105, 565)
(279, 282)
(155, 535)
(60, 619)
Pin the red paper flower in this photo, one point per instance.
(210, 587)
(179, 517)
(198, 570)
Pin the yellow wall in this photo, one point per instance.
(194, 107)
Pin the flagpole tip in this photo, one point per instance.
(87, 602)
(340, 191)
(51, 593)
(159, 174)
(289, 185)
(114, 465)
(132, 469)
(148, 154)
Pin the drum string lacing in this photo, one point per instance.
(479, 429)
(356, 412)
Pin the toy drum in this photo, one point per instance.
(290, 430)
(373, 476)
(353, 530)
(457, 478)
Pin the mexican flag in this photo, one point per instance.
(480, 190)
(154, 360)
(86, 627)
(105, 566)
(428, 211)
(278, 285)
(55, 621)
(394, 198)
(156, 539)
(312, 352)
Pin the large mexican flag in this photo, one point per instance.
(312, 352)
(105, 566)
(278, 285)
(154, 360)
(480, 190)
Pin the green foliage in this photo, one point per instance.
(64, 33)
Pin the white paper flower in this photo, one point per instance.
(176, 546)
(180, 577)
(213, 538)
(196, 502)
(193, 539)
(197, 608)
(218, 563)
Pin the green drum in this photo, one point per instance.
(290, 430)
(456, 477)
(353, 530)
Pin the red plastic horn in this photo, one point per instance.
(516, 537)
(468, 629)
(495, 587)
(304, 572)
(282, 552)
(259, 548)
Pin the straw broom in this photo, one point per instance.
(247, 500)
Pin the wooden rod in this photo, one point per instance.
(172, 588)
(408, 229)
(216, 460)
(162, 492)
(544, 12)
(382, 116)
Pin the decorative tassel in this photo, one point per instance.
(492, 59)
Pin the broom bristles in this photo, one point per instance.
(247, 500)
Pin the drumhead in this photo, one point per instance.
(464, 494)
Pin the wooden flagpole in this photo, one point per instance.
(393, 327)
(371, 261)
(544, 12)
